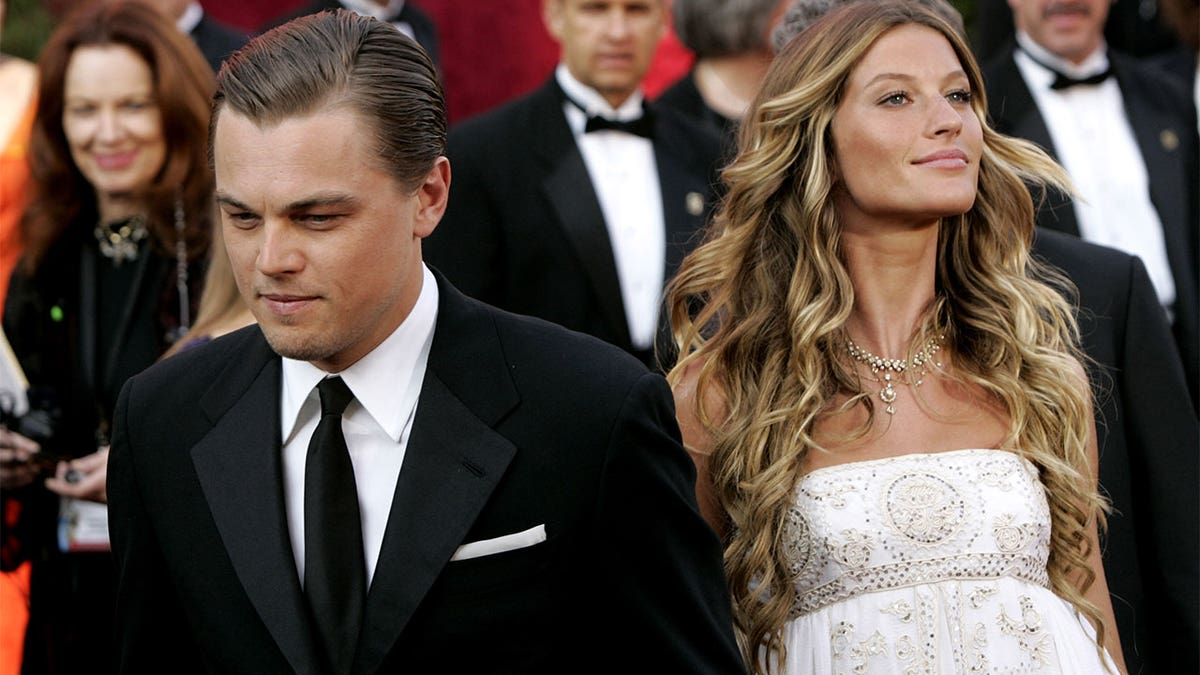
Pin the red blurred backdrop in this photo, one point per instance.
(491, 50)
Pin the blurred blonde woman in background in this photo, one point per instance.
(222, 309)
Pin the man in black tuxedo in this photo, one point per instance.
(465, 490)
(1149, 443)
(1127, 136)
(578, 201)
(214, 39)
(402, 14)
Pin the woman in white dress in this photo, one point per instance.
(881, 389)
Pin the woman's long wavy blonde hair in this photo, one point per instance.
(760, 308)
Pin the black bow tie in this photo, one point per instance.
(1064, 81)
(639, 126)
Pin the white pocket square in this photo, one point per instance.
(509, 542)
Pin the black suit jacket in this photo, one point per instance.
(424, 30)
(524, 230)
(216, 40)
(684, 96)
(1163, 120)
(1149, 454)
(519, 423)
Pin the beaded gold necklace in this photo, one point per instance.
(119, 241)
(878, 364)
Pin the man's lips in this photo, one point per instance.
(1066, 9)
(614, 59)
(283, 303)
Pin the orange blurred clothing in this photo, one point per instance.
(14, 194)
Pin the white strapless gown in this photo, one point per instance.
(928, 564)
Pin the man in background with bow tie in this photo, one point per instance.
(577, 202)
(1125, 133)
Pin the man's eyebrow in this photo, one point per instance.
(224, 199)
(320, 200)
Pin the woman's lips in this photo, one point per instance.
(945, 159)
(115, 160)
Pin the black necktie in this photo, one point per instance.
(335, 577)
(1064, 81)
(639, 126)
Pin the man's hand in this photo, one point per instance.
(16, 452)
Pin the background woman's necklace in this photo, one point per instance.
(119, 241)
(878, 364)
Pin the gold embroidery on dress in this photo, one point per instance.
(1012, 537)
(940, 553)
(853, 551)
(900, 609)
(797, 542)
(839, 639)
(977, 662)
(1028, 632)
(981, 594)
(924, 507)
(835, 496)
(875, 645)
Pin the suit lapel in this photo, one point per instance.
(1161, 142)
(1015, 113)
(686, 184)
(240, 470)
(453, 462)
(568, 188)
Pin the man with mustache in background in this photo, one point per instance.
(1127, 137)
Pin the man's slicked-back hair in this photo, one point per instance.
(340, 58)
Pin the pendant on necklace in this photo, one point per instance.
(888, 394)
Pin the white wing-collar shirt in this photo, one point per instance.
(624, 174)
(1096, 145)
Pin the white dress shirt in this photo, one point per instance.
(386, 383)
(1095, 144)
(190, 18)
(625, 176)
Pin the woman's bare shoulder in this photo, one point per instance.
(699, 403)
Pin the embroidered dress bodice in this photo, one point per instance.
(927, 563)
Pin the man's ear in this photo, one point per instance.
(432, 196)
(552, 16)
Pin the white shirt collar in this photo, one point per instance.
(376, 379)
(593, 102)
(1095, 63)
(190, 19)
(385, 13)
